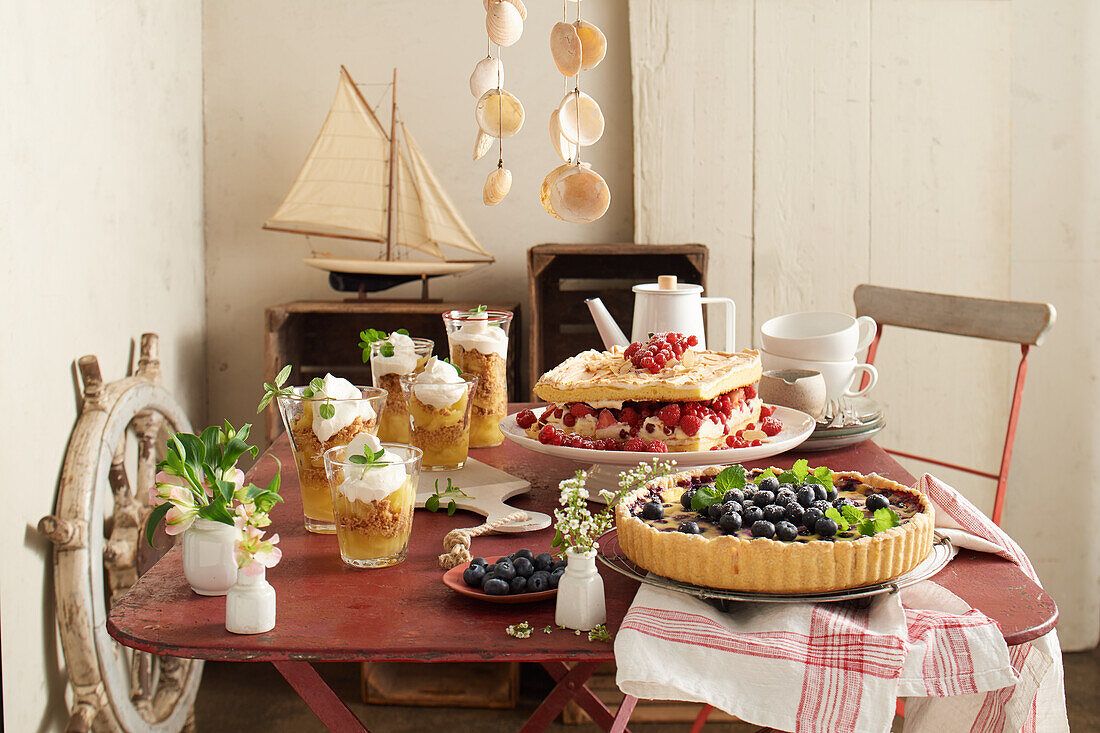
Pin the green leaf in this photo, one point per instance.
(216, 513)
(369, 336)
(731, 477)
(264, 402)
(867, 527)
(479, 309)
(327, 410)
(706, 495)
(841, 522)
(765, 474)
(886, 518)
(824, 476)
(357, 459)
(451, 507)
(377, 456)
(317, 385)
(402, 331)
(283, 375)
(432, 504)
(154, 519)
(851, 513)
(801, 469)
(386, 349)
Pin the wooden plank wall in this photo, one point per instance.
(818, 144)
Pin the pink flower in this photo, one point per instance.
(254, 553)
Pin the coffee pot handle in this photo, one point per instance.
(730, 315)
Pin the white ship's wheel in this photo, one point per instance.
(100, 550)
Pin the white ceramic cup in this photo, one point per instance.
(838, 375)
(817, 336)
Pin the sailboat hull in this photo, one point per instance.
(411, 269)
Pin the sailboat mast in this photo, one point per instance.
(391, 209)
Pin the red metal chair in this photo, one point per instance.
(998, 320)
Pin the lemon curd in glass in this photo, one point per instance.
(439, 416)
(478, 344)
(311, 435)
(373, 503)
(408, 356)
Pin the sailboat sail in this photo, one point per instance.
(343, 189)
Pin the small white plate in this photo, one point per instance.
(797, 426)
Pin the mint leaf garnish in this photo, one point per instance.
(841, 522)
(706, 495)
(731, 477)
(867, 527)
(767, 472)
(851, 513)
(886, 518)
(478, 310)
(450, 492)
(327, 410)
(801, 469)
(386, 349)
(402, 331)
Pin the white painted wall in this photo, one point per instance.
(101, 231)
(948, 146)
(270, 74)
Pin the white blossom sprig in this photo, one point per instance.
(576, 528)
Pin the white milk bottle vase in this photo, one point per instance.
(580, 602)
(208, 561)
(250, 604)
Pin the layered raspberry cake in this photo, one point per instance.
(796, 531)
(660, 395)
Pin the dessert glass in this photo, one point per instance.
(393, 423)
(441, 432)
(373, 504)
(298, 416)
(479, 345)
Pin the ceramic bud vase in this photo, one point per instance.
(580, 603)
(250, 604)
(208, 562)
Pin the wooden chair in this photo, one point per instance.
(998, 320)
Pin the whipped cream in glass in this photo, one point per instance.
(347, 402)
(475, 333)
(369, 483)
(403, 360)
(439, 385)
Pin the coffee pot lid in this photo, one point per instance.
(667, 285)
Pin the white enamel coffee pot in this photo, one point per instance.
(665, 305)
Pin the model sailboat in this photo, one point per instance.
(360, 183)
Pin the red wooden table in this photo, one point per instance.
(328, 611)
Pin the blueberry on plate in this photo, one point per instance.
(686, 497)
(819, 491)
(689, 527)
(523, 553)
(825, 527)
(795, 512)
(785, 496)
(523, 567)
(845, 501)
(732, 506)
(556, 576)
(479, 561)
(822, 505)
(538, 582)
(763, 528)
(518, 585)
(877, 501)
(505, 570)
(715, 511)
(543, 561)
(810, 517)
(786, 532)
(653, 510)
(752, 514)
(763, 498)
(831, 494)
(473, 575)
(730, 522)
(734, 495)
(805, 496)
(496, 587)
(775, 513)
(769, 483)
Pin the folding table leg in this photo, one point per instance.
(324, 703)
(570, 686)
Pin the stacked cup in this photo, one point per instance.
(821, 342)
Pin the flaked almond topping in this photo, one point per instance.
(751, 435)
(688, 358)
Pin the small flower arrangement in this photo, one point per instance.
(252, 551)
(199, 479)
(576, 528)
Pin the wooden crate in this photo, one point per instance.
(446, 684)
(318, 336)
(603, 686)
(561, 276)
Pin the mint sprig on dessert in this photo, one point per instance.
(368, 337)
(477, 310)
(885, 518)
(450, 492)
(736, 477)
(316, 386)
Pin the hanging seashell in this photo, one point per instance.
(565, 47)
(581, 119)
(593, 44)
(482, 145)
(499, 114)
(497, 186)
(565, 149)
(547, 184)
(518, 3)
(503, 23)
(580, 195)
(488, 74)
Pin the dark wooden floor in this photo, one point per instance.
(241, 696)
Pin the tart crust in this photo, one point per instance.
(769, 566)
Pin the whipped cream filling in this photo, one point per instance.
(477, 334)
(371, 483)
(403, 360)
(439, 385)
(348, 403)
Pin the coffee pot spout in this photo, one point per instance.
(610, 332)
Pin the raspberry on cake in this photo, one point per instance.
(659, 395)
